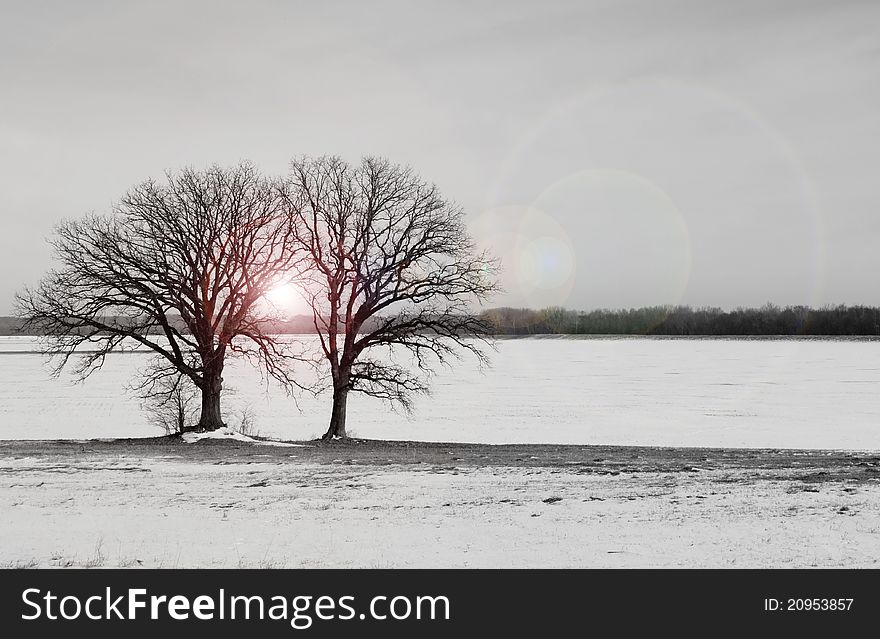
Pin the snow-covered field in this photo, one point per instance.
(671, 392)
(433, 506)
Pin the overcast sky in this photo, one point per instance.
(612, 153)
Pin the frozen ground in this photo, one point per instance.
(388, 504)
(232, 502)
(728, 393)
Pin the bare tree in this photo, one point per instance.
(391, 265)
(179, 268)
(170, 402)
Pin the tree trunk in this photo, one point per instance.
(337, 416)
(210, 418)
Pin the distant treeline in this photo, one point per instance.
(649, 320)
(296, 325)
(684, 320)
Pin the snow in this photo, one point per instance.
(731, 393)
(127, 510)
(229, 433)
(281, 508)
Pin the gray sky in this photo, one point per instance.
(612, 153)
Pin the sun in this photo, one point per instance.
(285, 298)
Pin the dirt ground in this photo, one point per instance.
(376, 504)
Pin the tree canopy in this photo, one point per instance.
(179, 267)
(391, 266)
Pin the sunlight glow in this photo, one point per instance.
(286, 299)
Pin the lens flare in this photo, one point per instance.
(745, 173)
(544, 260)
(285, 299)
(631, 245)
